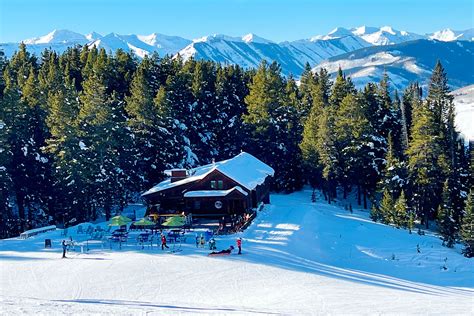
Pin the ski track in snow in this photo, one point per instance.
(299, 258)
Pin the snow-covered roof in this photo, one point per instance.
(214, 193)
(244, 169)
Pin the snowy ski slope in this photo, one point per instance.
(299, 258)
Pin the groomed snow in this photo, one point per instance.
(299, 259)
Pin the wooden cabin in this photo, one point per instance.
(232, 186)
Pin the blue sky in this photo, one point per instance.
(277, 20)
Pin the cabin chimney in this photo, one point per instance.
(178, 174)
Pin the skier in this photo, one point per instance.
(203, 241)
(223, 252)
(163, 242)
(239, 245)
(64, 248)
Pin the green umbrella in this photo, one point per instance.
(118, 222)
(121, 217)
(175, 221)
(144, 222)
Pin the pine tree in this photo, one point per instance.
(309, 144)
(411, 96)
(181, 99)
(328, 152)
(231, 89)
(62, 145)
(423, 162)
(401, 212)
(308, 81)
(375, 213)
(354, 142)
(446, 223)
(270, 113)
(467, 228)
(340, 89)
(387, 208)
(394, 174)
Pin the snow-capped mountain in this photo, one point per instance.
(249, 50)
(406, 62)
(448, 35)
(59, 37)
(246, 51)
(385, 35)
(141, 45)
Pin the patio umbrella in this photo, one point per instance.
(175, 221)
(144, 222)
(117, 222)
(121, 217)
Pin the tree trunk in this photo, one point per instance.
(365, 199)
(20, 200)
(358, 194)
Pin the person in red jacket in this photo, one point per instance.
(163, 242)
(239, 245)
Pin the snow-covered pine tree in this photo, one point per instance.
(145, 138)
(23, 118)
(181, 99)
(269, 114)
(423, 162)
(205, 111)
(62, 145)
(231, 88)
(394, 174)
(354, 139)
(287, 134)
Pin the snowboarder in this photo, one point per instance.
(163, 242)
(239, 245)
(64, 248)
(223, 252)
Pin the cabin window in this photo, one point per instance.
(197, 205)
(213, 184)
(220, 184)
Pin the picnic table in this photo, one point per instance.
(36, 231)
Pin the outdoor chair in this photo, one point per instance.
(142, 239)
(89, 230)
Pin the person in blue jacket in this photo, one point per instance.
(64, 248)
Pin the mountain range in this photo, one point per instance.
(403, 53)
